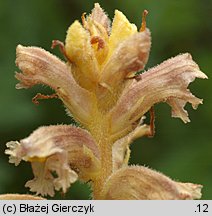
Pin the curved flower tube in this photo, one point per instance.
(166, 82)
(41, 67)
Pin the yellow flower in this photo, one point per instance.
(101, 90)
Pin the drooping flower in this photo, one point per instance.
(101, 90)
(67, 151)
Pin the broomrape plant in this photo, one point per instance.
(101, 90)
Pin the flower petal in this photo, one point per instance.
(141, 183)
(121, 29)
(98, 25)
(99, 40)
(100, 17)
(166, 82)
(40, 67)
(130, 56)
(15, 152)
(44, 182)
(63, 149)
(80, 52)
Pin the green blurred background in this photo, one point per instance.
(181, 151)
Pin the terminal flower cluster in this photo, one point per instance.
(101, 89)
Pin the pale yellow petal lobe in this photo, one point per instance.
(121, 29)
(81, 55)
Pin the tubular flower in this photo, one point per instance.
(146, 184)
(68, 151)
(100, 88)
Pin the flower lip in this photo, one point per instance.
(31, 152)
(28, 152)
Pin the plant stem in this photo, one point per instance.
(103, 139)
(106, 170)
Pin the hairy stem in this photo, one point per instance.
(100, 132)
(106, 170)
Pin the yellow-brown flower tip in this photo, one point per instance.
(19, 197)
(65, 150)
(141, 183)
(104, 55)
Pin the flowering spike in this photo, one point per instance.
(100, 87)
